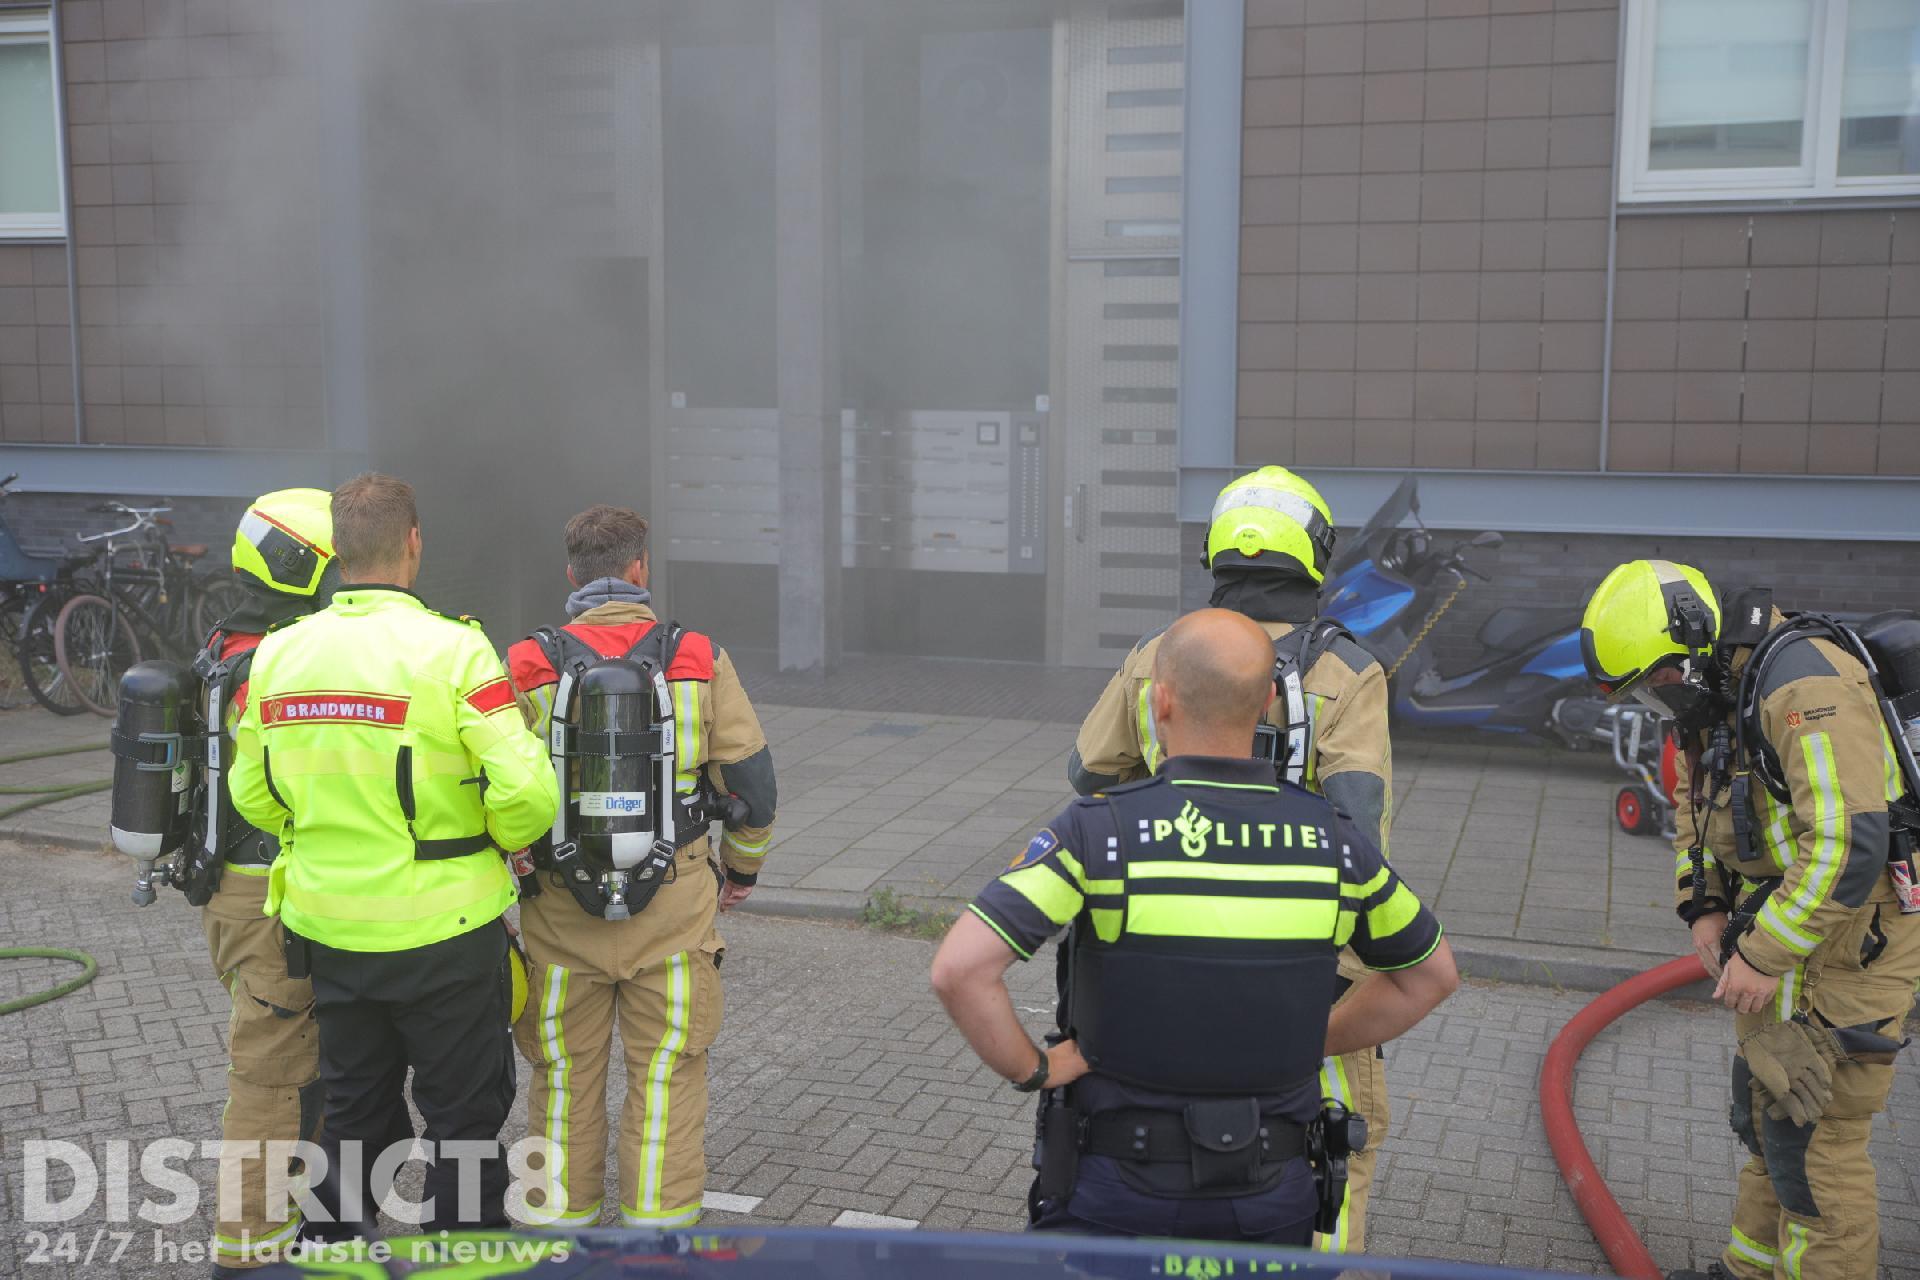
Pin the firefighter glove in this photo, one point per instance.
(1793, 1065)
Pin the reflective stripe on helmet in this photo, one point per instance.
(1291, 505)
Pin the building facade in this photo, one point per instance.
(933, 327)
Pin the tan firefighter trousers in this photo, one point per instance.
(274, 1092)
(588, 975)
(1808, 1206)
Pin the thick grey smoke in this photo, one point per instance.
(525, 256)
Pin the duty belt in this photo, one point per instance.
(1152, 1136)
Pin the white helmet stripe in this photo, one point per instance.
(1291, 505)
(254, 526)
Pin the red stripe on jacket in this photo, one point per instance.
(529, 669)
(492, 696)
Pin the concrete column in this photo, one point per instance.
(807, 329)
(1210, 248)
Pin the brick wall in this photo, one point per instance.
(1780, 342)
(36, 353)
(1424, 207)
(1553, 571)
(193, 176)
(1425, 196)
(46, 522)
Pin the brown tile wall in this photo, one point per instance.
(1424, 206)
(199, 291)
(1425, 200)
(36, 354)
(1782, 342)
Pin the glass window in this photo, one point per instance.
(1880, 96)
(29, 142)
(1785, 99)
(1726, 94)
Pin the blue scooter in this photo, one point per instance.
(1390, 585)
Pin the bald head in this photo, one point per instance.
(1212, 681)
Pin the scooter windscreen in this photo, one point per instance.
(1401, 503)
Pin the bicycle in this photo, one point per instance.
(153, 601)
(27, 581)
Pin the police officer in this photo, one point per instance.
(1783, 846)
(381, 743)
(1268, 547)
(657, 972)
(283, 555)
(1207, 907)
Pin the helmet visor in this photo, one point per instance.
(1675, 699)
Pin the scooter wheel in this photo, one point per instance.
(1632, 809)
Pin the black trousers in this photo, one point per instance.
(444, 1011)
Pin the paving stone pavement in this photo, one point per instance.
(1514, 845)
(839, 1088)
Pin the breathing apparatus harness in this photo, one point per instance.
(170, 796)
(1294, 654)
(1737, 754)
(620, 823)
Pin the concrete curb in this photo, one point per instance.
(1537, 965)
(1487, 959)
(63, 840)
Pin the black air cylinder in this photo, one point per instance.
(151, 773)
(613, 807)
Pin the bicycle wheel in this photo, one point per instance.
(94, 645)
(214, 600)
(39, 665)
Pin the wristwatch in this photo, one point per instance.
(1035, 1082)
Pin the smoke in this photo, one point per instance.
(525, 257)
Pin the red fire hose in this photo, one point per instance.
(1621, 1243)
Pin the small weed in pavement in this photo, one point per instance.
(888, 911)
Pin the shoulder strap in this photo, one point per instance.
(564, 651)
(658, 646)
(1322, 635)
(1751, 740)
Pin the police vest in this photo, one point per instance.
(1207, 965)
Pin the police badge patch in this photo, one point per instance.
(1037, 848)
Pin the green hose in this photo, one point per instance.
(87, 969)
(39, 796)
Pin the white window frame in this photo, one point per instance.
(36, 27)
(1817, 175)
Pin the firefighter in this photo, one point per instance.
(1208, 904)
(381, 744)
(600, 957)
(283, 554)
(1268, 547)
(1786, 882)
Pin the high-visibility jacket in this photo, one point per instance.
(381, 741)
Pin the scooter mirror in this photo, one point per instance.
(1487, 539)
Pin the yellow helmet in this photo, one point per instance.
(285, 541)
(1271, 518)
(1647, 613)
